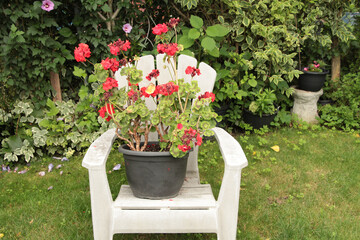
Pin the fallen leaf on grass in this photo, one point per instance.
(22, 171)
(357, 135)
(58, 166)
(50, 167)
(117, 167)
(42, 173)
(276, 148)
(51, 187)
(32, 220)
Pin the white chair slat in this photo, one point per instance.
(146, 65)
(122, 82)
(164, 68)
(207, 78)
(183, 62)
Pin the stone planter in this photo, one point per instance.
(305, 105)
(154, 175)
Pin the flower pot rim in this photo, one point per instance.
(263, 115)
(124, 149)
(320, 73)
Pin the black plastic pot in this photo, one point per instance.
(324, 102)
(154, 175)
(312, 81)
(256, 121)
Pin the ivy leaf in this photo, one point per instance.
(53, 109)
(208, 43)
(217, 31)
(79, 72)
(65, 32)
(194, 33)
(83, 92)
(196, 22)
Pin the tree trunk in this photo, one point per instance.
(335, 61)
(55, 83)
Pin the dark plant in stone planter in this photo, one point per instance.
(313, 77)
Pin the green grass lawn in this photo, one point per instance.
(310, 189)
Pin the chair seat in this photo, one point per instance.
(197, 196)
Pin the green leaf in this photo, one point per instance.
(83, 92)
(106, 8)
(79, 72)
(14, 142)
(53, 109)
(215, 52)
(217, 31)
(186, 42)
(208, 43)
(65, 32)
(249, 40)
(196, 22)
(246, 22)
(194, 33)
(252, 82)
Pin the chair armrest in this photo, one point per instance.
(98, 152)
(231, 150)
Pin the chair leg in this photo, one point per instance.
(228, 206)
(101, 205)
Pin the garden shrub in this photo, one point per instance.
(345, 113)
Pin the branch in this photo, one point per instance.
(101, 16)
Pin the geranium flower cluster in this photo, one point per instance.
(192, 71)
(109, 84)
(82, 52)
(118, 46)
(188, 137)
(208, 95)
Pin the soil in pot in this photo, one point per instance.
(154, 175)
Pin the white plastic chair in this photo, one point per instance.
(194, 210)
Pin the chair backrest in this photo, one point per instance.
(206, 80)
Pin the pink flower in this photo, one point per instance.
(306, 69)
(179, 126)
(82, 52)
(127, 28)
(47, 5)
(160, 29)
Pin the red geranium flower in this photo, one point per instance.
(170, 49)
(118, 46)
(154, 74)
(179, 126)
(109, 84)
(184, 148)
(193, 71)
(173, 22)
(167, 88)
(208, 95)
(160, 29)
(112, 64)
(82, 52)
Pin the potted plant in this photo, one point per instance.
(260, 110)
(180, 117)
(313, 77)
